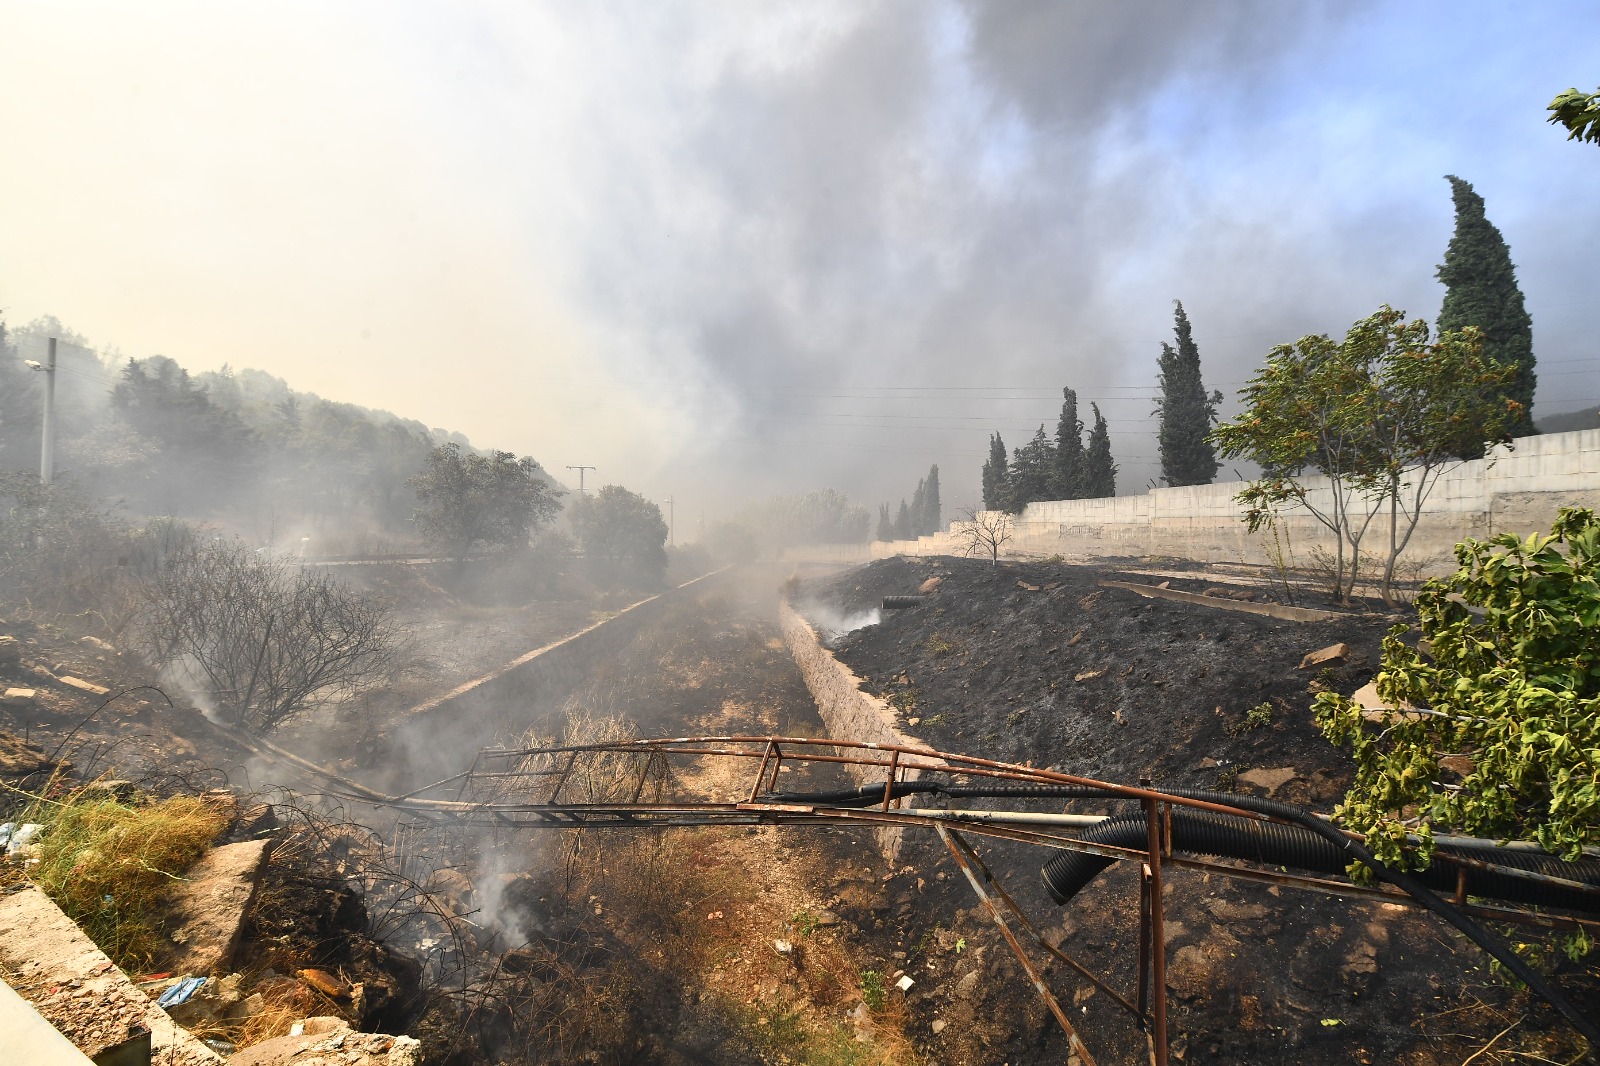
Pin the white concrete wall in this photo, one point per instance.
(1516, 490)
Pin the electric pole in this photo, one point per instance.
(47, 450)
(580, 470)
(671, 513)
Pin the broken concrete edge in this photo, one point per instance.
(849, 712)
(30, 1038)
(1270, 610)
(70, 982)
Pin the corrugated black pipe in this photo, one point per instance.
(900, 603)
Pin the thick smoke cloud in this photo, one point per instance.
(721, 249)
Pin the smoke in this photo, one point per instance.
(832, 623)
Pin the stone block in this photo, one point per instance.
(210, 907)
(83, 686)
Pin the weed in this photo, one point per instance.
(108, 864)
(936, 719)
(873, 992)
(804, 922)
(1227, 779)
(940, 645)
(1255, 718)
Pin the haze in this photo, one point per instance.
(722, 249)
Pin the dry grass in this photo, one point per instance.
(108, 864)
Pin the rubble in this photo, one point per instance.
(325, 1041)
(1332, 655)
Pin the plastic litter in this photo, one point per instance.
(18, 838)
(180, 992)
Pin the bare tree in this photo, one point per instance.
(983, 533)
(266, 639)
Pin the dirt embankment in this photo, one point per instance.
(1040, 664)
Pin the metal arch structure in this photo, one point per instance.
(632, 784)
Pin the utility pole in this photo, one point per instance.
(671, 523)
(580, 470)
(47, 450)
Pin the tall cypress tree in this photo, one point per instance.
(1187, 411)
(1099, 469)
(919, 501)
(1481, 290)
(902, 522)
(1068, 480)
(885, 525)
(995, 476)
(931, 507)
(1032, 471)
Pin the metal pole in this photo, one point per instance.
(47, 452)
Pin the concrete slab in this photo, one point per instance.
(49, 961)
(209, 909)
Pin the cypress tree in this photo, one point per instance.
(931, 507)
(1187, 411)
(1068, 480)
(995, 476)
(885, 526)
(1032, 471)
(1481, 290)
(1099, 470)
(919, 500)
(902, 522)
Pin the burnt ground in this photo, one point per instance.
(1105, 683)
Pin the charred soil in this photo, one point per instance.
(1042, 665)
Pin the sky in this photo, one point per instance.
(723, 250)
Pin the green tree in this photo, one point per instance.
(903, 529)
(622, 534)
(1032, 474)
(1497, 732)
(996, 476)
(1099, 469)
(1187, 411)
(932, 509)
(885, 523)
(1069, 450)
(1579, 113)
(468, 501)
(1481, 290)
(1381, 415)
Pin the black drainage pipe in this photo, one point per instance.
(900, 603)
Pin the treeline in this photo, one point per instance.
(921, 517)
(239, 448)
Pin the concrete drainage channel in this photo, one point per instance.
(849, 712)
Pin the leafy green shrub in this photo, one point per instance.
(873, 992)
(1511, 697)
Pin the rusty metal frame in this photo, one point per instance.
(498, 776)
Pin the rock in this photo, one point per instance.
(783, 947)
(930, 585)
(20, 698)
(96, 642)
(225, 803)
(1208, 763)
(83, 686)
(1271, 780)
(454, 889)
(10, 651)
(210, 906)
(937, 1025)
(19, 758)
(326, 1041)
(968, 984)
(905, 983)
(257, 820)
(1332, 655)
(1461, 765)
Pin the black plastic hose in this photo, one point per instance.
(900, 603)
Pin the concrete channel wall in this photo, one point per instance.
(445, 733)
(848, 712)
(1515, 490)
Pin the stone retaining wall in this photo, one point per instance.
(1517, 490)
(849, 712)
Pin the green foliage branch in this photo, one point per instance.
(1510, 688)
(1579, 113)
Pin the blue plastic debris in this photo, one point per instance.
(180, 992)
